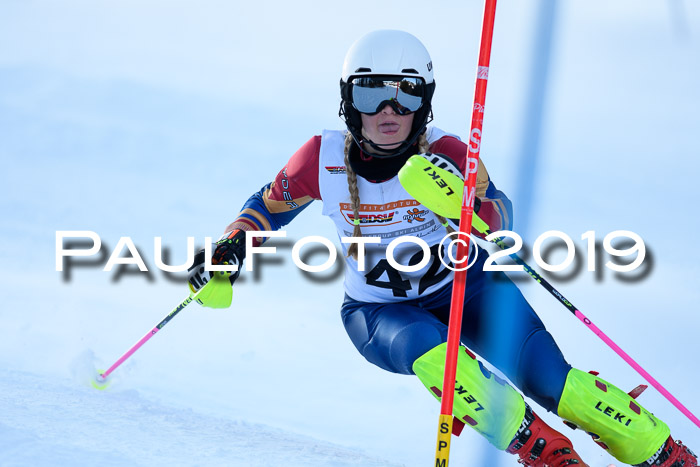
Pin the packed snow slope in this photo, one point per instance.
(55, 422)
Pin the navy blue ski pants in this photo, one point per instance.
(497, 323)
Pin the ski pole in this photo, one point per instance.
(103, 376)
(482, 227)
(442, 452)
(216, 293)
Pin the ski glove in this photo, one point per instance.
(445, 163)
(229, 249)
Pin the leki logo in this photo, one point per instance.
(415, 214)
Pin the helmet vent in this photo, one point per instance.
(363, 70)
(410, 70)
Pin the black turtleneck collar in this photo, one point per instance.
(376, 169)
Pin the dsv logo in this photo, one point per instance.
(373, 218)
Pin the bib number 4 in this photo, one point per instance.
(400, 285)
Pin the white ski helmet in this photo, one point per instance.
(387, 53)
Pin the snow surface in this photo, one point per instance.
(56, 422)
(148, 119)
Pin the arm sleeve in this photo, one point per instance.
(496, 209)
(281, 200)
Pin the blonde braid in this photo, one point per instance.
(424, 148)
(423, 145)
(354, 195)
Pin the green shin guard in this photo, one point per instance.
(482, 400)
(616, 421)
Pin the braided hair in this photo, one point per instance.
(423, 147)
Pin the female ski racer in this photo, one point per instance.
(398, 320)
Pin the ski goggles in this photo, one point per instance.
(370, 94)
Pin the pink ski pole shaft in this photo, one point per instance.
(645, 374)
(145, 338)
(483, 228)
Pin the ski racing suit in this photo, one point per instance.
(398, 320)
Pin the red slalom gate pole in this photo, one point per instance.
(442, 453)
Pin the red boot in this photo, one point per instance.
(539, 445)
(672, 454)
